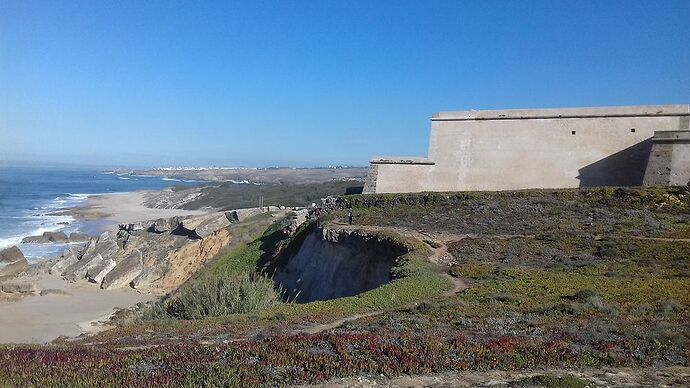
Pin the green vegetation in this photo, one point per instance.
(548, 381)
(216, 296)
(415, 279)
(591, 212)
(557, 279)
(236, 196)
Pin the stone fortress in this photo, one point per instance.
(544, 149)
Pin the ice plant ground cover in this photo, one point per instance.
(557, 279)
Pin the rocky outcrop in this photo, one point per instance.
(12, 262)
(69, 257)
(54, 291)
(18, 288)
(205, 226)
(185, 262)
(56, 237)
(299, 217)
(93, 256)
(11, 255)
(125, 271)
(172, 198)
(155, 256)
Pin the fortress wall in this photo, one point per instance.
(669, 161)
(522, 149)
(399, 178)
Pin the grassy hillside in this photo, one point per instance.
(557, 279)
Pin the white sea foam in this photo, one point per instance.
(181, 180)
(16, 240)
(81, 196)
(37, 224)
(9, 241)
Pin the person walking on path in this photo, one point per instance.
(349, 217)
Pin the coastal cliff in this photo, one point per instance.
(154, 256)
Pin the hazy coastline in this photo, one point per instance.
(123, 208)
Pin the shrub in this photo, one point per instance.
(567, 381)
(668, 307)
(217, 295)
(585, 295)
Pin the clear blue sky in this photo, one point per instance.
(312, 82)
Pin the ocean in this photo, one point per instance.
(29, 194)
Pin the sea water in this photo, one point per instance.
(29, 196)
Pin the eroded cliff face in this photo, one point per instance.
(156, 256)
(334, 263)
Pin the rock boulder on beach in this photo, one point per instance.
(47, 237)
(11, 255)
(18, 288)
(75, 237)
(12, 262)
(56, 237)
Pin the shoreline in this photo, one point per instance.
(74, 308)
(122, 208)
(96, 214)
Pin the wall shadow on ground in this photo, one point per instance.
(624, 168)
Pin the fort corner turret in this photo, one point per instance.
(544, 148)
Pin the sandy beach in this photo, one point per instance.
(79, 307)
(123, 208)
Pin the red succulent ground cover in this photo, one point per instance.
(584, 286)
(294, 359)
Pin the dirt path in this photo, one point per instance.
(670, 239)
(334, 324)
(674, 376)
(439, 255)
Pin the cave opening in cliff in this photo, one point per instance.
(329, 264)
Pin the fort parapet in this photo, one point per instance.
(544, 148)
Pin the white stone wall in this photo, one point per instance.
(523, 149)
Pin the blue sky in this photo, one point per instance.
(311, 82)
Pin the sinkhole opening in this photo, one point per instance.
(329, 264)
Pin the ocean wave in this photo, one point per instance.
(181, 180)
(17, 239)
(9, 241)
(122, 177)
(63, 201)
(80, 195)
